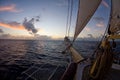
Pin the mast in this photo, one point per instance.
(114, 24)
(108, 30)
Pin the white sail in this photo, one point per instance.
(114, 27)
(85, 11)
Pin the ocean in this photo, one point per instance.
(17, 56)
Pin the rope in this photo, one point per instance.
(102, 64)
(68, 10)
(70, 17)
(106, 30)
(98, 45)
(50, 77)
(104, 61)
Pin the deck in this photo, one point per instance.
(53, 72)
(43, 72)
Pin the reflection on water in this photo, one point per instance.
(23, 52)
(18, 55)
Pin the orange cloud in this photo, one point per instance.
(13, 26)
(87, 29)
(9, 8)
(100, 24)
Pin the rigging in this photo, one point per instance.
(69, 17)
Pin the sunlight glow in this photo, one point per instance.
(13, 26)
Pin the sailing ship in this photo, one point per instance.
(96, 67)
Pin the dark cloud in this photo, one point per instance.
(98, 19)
(14, 23)
(37, 18)
(42, 37)
(36, 37)
(5, 36)
(92, 38)
(1, 31)
(90, 35)
(29, 25)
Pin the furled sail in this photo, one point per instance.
(85, 11)
(114, 27)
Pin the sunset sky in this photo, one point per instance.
(49, 18)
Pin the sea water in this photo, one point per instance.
(18, 55)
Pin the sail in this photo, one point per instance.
(114, 27)
(85, 11)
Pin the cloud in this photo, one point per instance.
(90, 36)
(98, 18)
(87, 29)
(62, 3)
(10, 36)
(29, 25)
(9, 8)
(42, 37)
(100, 21)
(1, 31)
(5, 36)
(100, 24)
(25, 37)
(105, 3)
(13, 25)
(26, 25)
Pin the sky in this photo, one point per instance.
(47, 19)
